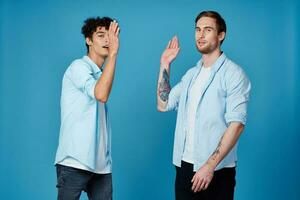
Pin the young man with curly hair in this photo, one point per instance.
(83, 158)
(211, 102)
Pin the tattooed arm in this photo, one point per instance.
(163, 86)
(204, 175)
(226, 143)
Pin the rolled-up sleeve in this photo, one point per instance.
(238, 91)
(174, 97)
(82, 77)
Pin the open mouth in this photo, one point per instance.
(105, 47)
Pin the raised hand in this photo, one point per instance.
(113, 36)
(170, 52)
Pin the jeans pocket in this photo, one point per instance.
(72, 178)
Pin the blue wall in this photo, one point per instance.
(39, 40)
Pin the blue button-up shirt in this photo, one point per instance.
(223, 100)
(81, 120)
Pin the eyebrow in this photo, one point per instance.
(205, 27)
(100, 32)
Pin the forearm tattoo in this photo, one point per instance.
(164, 86)
(217, 150)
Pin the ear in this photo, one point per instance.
(88, 41)
(221, 36)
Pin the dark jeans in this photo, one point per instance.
(220, 188)
(71, 182)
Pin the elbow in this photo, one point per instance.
(160, 109)
(241, 127)
(101, 98)
(238, 126)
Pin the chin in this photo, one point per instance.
(203, 50)
(103, 55)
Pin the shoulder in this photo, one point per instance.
(78, 65)
(234, 76)
(232, 70)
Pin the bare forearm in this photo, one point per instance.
(104, 84)
(163, 87)
(226, 143)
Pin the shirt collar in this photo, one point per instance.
(217, 64)
(93, 65)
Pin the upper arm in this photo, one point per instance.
(82, 78)
(174, 97)
(175, 93)
(238, 89)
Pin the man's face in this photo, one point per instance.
(99, 42)
(206, 35)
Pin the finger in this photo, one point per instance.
(176, 42)
(110, 27)
(173, 43)
(201, 186)
(169, 44)
(111, 33)
(118, 31)
(113, 28)
(206, 186)
(198, 185)
(116, 27)
(177, 51)
(195, 181)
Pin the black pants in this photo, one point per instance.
(220, 188)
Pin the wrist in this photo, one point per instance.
(211, 166)
(112, 55)
(165, 65)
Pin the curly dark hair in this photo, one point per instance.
(91, 24)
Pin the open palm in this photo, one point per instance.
(170, 52)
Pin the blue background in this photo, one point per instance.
(40, 39)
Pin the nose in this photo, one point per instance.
(106, 39)
(202, 33)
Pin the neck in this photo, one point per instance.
(97, 59)
(210, 58)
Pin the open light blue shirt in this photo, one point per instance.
(223, 100)
(81, 120)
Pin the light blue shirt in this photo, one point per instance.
(223, 100)
(83, 118)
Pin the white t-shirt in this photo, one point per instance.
(193, 101)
